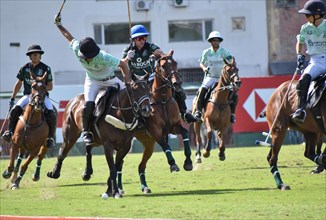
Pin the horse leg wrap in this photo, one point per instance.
(142, 178)
(18, 162)
(277, 176)
(169, 157)
(186, 145)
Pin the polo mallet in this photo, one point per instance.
(63, 3)
(265, 143)
(129, 22)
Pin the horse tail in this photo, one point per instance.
(262, 114)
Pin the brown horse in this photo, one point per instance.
(30, 134)
(164, 120)
(217, 111)
(126, 105)
(311, 128)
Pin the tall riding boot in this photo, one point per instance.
(52, 122)
(200, 103)
(15, 112)
(233, 106)
(87, 117)
(302, 90)
(180, 98)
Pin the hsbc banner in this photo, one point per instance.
(254, 95)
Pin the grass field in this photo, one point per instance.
(241, 187)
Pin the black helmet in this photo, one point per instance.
(88, 48)
(34, 49)
(313, 7)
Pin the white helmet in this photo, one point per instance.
(215, 34)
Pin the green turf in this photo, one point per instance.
(241, 187)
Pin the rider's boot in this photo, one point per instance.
(233, 106)
(302, 90)
(52, 122)
(200, 103)
(87, 117)
(180, 98)
(15, 112)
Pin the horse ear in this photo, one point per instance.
(44, 76)
(32, 75)
(225, 61)
(171, 52)
(233, 60)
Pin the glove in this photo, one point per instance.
(57, 19)
(300, 60)
(11, 103)
(130, 54)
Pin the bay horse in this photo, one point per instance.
(126, 105)
(313, 127)
(30, 134)
(165, 119)
(217, 111)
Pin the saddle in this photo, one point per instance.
(102, 98)
(317, 93)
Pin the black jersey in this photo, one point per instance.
(141, 64)
(39, 70)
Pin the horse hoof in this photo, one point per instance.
(121, 191)
(146, 190)
(117, 196)
(317, 170)
(284, 187)
(221, 156)
(53, 175)
(198, 158)
(35, 179)
(187, 166)
(86, 177)
(6, 174)
(174, 168)
(14, 186)
(206, 154)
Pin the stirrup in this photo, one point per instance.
(7, 136)
(88, 137)
(50, 142)
(299, 115)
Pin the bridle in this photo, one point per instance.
(135, 104)
(166, 72)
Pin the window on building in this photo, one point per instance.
(189, 30)
(285, 3)
(118, 33)
(238, 23)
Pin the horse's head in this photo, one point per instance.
(139, 92)
(167, 70)
(38, 92)
(230, 74)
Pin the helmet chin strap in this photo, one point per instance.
(315, 19)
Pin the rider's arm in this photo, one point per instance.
(158, 53)
(203, 67)
(124, 70)
(65, 33)
(299, 47)
(16, 89)
(49, 86)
